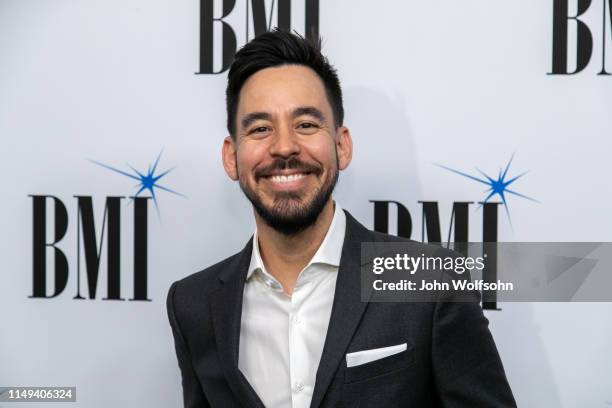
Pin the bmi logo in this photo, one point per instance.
(90, 242)
(499, 187)
(251, 18)
(582, 33)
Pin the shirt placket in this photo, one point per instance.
(301, 389)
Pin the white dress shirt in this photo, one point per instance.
(281, 336)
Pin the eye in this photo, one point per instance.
(307, 126)
(259, 129)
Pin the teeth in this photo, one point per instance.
(286, 179)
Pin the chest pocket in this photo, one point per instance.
(380, 367)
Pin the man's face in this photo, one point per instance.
(287, 152)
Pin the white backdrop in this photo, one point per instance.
(463, 84)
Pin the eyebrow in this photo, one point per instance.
(254, 116)
(310, 111)
(302, 110)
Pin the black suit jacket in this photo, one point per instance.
(451, 360)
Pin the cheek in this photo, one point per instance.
(324, 152)
(250, 155)
(247, 157)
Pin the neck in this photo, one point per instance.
(284, 256)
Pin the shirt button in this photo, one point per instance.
(295, 320)
(298, 387)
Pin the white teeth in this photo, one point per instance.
(286, 179)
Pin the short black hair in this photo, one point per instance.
(275, 48)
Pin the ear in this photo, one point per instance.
(228, 155)
(344, 145)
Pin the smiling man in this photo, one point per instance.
(281, 323)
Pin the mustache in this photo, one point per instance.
(293, 163)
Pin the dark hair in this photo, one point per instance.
(275, 48)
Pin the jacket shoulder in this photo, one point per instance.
(207, 279)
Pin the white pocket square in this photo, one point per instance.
(367, 356)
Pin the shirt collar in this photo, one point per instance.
(329, 251)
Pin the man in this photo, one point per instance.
(281, 323)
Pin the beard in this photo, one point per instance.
(288, 214)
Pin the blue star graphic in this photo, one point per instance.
(497, 186)
(148, 181)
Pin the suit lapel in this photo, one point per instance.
(226, 308)
(347, 308)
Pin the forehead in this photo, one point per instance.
(282, 89)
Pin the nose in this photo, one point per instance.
(284, 143)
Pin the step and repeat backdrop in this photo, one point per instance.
(112, 116)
